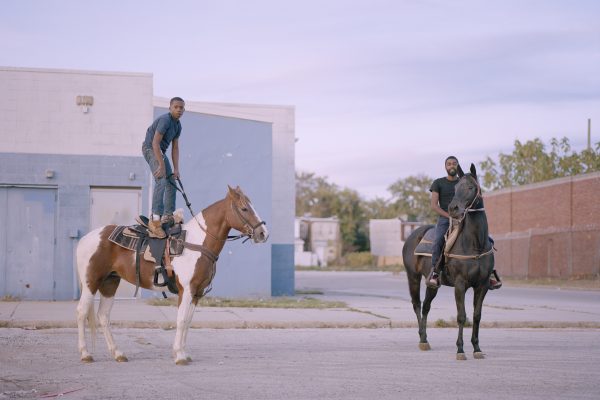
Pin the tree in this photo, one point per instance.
(317, 197)
(530, 163)
(411, 197)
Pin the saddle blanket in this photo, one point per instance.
(129, 238)
(425, 246)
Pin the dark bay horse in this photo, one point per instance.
(102, 264)
(469, 262)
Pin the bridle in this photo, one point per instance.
(470, 208)
(248, 227)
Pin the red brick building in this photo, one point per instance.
(547, 229)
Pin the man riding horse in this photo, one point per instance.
(164, 131)
(442, 193)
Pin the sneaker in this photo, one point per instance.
(433, 280)
(494, 284)
(155, 230)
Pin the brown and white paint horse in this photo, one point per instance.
(97, 257)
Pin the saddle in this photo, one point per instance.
(425, 246)
(158, 251)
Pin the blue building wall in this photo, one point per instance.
(217, 151)
(74, 175)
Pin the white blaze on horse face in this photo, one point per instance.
(185, 264)
(86, 248)
(258, 238)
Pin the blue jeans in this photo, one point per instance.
(441, 228)
(163, 196)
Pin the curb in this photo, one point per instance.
(34, 325)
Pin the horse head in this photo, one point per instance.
(243, 217)
(466, 193)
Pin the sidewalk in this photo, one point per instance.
(363, 311)
(138, 314)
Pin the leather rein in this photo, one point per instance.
(247, 225)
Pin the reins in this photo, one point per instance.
(229, 238)
(469, 209)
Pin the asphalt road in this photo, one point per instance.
(304, 364)
(387, 294)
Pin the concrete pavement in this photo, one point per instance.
(374, 299)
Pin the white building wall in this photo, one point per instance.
(386, 237)
(114, 125)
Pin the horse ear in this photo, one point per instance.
(460, 171)
(233, 192)
(473, 171)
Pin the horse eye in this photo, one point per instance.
(244, 209)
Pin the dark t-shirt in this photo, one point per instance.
(168, 126)
(445, 188)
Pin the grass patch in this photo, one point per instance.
(272, 302)
(583, 283)
(451, 323)
(386, 268)
(9, 298)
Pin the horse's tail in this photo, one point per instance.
(91, 317)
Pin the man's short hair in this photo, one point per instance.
(176, 99)
(450, 158)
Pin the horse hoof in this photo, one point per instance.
(424, 346)
(87, 359)
(188, 359)
(461, 356)
(478, 355)
(121, 358)
(183, 361)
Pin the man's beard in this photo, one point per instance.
(452, 172)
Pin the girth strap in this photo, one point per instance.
(137, 265)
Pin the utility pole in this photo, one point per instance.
(589, 134)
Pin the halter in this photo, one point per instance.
(250, 228)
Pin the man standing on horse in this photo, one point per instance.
(164, 131)
(442, 193)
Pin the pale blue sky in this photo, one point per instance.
(382, 89)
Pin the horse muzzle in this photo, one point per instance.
(260, 234)
(455, 211)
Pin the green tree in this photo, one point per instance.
(317, 197)
(530, 162)
(411, 197)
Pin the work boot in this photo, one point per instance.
(155, 230)
(167, 219)
(433, 279)
(495, 282)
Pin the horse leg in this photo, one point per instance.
(461, 317)
(185, 311)
(430, 294)
(85, 310)
(414, 287)
(104, 309)
(478, 297)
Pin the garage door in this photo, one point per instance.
(27, 242)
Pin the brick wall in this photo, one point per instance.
(548, 229)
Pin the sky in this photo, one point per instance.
(382, 90)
